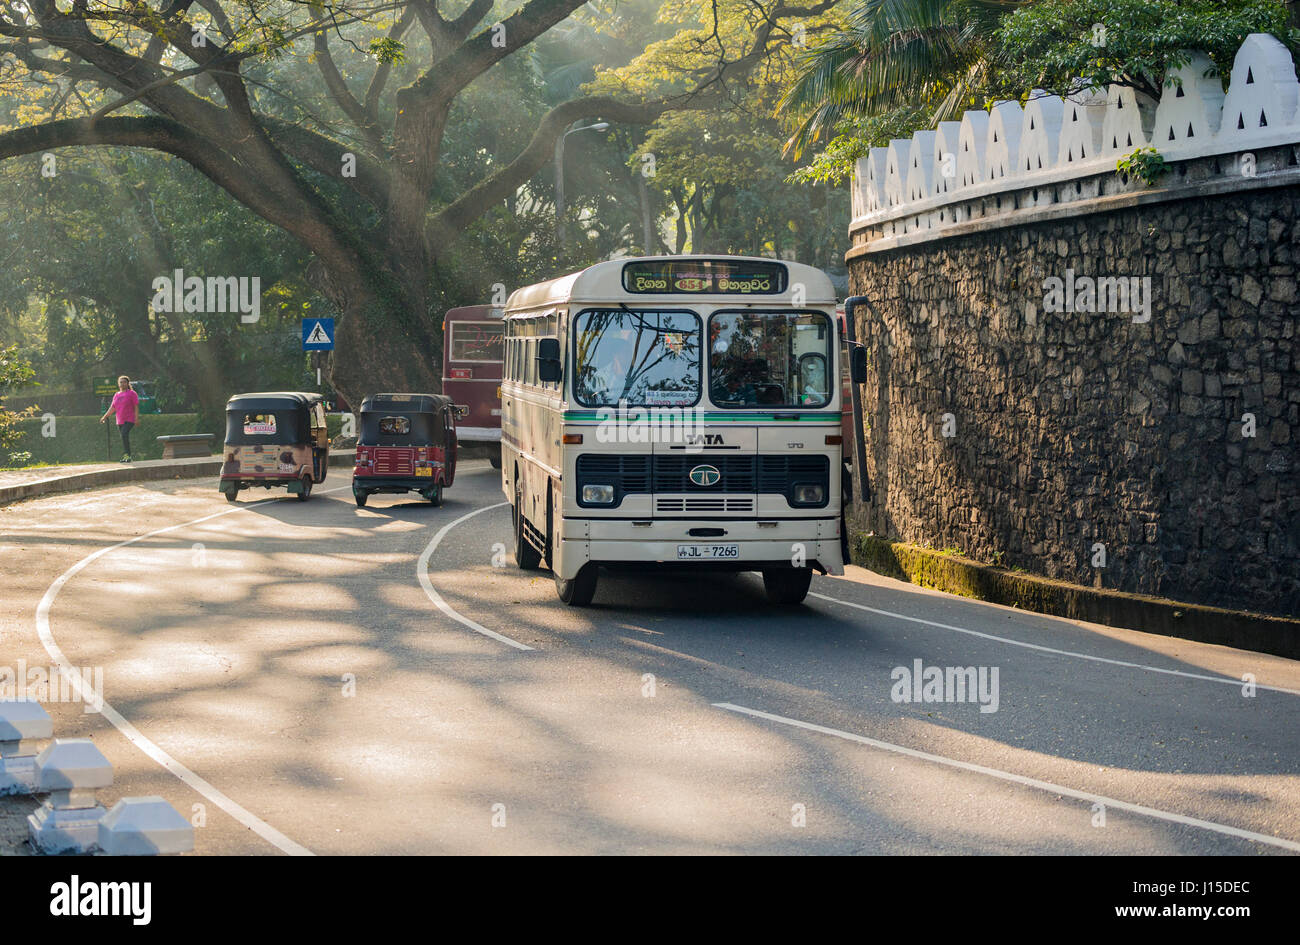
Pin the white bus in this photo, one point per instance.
(675, 411)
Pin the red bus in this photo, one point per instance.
(471, 371)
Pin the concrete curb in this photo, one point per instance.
(954, 575)
(182, 469)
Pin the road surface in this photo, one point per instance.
(314, 677)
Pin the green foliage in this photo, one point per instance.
(834, 164)
(388, 51)
(1046, 44)
(15, 371)
(1146, 164)
(891, 54)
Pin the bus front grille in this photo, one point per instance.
(738, 503)
(668, 477)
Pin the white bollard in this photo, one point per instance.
(71, 770)
(22, 725)
(144, 826)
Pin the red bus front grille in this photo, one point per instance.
(398, 461)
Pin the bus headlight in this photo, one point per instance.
(598, 495)
(809, 494)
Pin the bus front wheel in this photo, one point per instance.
(787, 585)
(579, 591)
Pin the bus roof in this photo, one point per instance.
(604, 281)
(467, 312)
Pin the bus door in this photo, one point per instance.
(449, 438)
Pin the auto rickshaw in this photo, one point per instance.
(275, 439)
(405, 443)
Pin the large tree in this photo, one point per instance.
(203, 80)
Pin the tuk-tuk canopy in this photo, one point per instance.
(278, 417)
(403, 420)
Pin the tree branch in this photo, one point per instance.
(459, 214)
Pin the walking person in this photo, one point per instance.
(125, 405)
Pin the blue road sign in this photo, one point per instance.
(318, 334)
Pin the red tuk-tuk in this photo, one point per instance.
(405, 443)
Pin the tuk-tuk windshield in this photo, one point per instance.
(255, 427)
(401, 428)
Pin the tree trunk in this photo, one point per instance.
(386, 340)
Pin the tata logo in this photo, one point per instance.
(705, 475)
(704, 439)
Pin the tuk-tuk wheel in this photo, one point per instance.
(495, 461)
(361, 498)
(230, 494)
(305, 493)
(434, 495)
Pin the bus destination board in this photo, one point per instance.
(704, 277)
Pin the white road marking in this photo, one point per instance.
(422, 570)
(133, 734)
(1055, 652)
(1019, 779)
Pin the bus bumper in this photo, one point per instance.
(802, 543)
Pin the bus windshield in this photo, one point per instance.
(770, 358)
(641, 356)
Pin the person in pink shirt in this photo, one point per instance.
(124, 405)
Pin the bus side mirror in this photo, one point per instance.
(858, 364)
(549, 369)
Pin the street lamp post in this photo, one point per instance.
(559, 176)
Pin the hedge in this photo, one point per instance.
(82, 439)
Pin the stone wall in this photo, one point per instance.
(1043, 439)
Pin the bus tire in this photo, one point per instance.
(579, 591)
(305, 493)
(786, 586)
(527, 557)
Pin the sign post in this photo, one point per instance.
(318, 334)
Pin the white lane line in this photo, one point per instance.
(422, 570)
(133, 734)
(1055, 652)
(1019, 779)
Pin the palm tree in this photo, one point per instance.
(931, 54)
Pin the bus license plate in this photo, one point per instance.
(708, 551)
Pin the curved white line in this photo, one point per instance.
(422, 570)
(1019, 779)
(1055, 652)
(133, 734)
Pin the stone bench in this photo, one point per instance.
(193, 444)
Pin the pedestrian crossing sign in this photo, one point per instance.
(318, 334)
